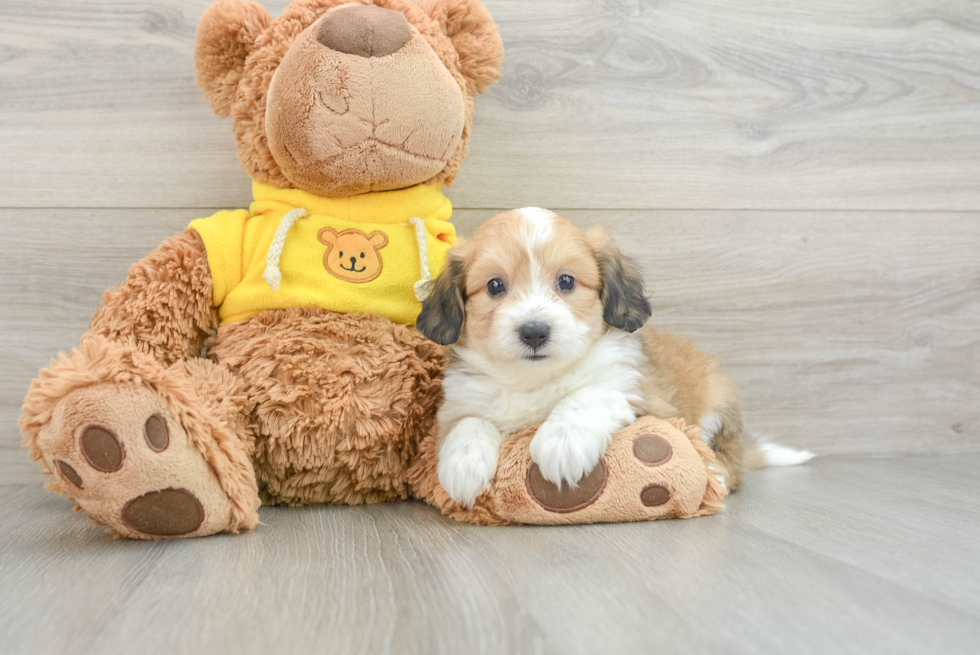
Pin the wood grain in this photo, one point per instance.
(919, 530)
(621, 103)
(850, 333)
(400, 578)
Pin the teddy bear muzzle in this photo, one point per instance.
(365, 31)
(362, 102)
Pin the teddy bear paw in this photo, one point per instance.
(653, 469)
(120, 454)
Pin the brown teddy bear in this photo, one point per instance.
(315, 389)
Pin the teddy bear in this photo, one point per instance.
(268, 354)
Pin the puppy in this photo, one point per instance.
(547, 327)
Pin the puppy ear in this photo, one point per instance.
(442, 314)
(474, 35)
(624, 304)
(327, 236)
(225, 36)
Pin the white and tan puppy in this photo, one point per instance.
(547, 327)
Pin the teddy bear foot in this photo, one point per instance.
(653, 469)
(119, 452)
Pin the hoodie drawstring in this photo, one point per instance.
(424, 286)
(272, 273)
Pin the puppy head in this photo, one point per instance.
(531, 289)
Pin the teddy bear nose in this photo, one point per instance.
(364, 30)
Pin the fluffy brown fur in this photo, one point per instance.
(164, 306)
(341, 402)
(679, 380)
(225, 35)
(313, 406)
(330, 407)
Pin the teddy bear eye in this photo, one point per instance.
(362, 255)
(341, 253)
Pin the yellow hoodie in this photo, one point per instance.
(374, 252)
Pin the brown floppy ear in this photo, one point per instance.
(474, 35)
(225, 36)
(624, 304)
(442, 314)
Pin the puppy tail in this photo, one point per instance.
(761, 453)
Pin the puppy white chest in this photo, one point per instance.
(513, 409)
(514, 399)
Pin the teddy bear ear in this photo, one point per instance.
(327, 236)
(474, 35)
(225, 36)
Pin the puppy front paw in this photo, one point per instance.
(467, 462)
(565, 452)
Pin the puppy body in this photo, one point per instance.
(546, 325)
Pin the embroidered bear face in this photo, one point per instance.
(351, 255)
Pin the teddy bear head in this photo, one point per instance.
(341, 97)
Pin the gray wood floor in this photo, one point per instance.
(800, 181)
(845, 555)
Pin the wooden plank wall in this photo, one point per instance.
(800, 180)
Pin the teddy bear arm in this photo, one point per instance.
(165, 305)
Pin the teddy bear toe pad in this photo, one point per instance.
(165, 513)
(119, 454)
(566, 499)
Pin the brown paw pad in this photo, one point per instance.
(654, 495)
(652, 449)
(156, 433)
(564, 499)
(102, 450)
(69, 473)
(164, 513)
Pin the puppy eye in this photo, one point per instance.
(495, 287)
(566, 283)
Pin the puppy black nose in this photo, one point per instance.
(535, 335)
(364, 30)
